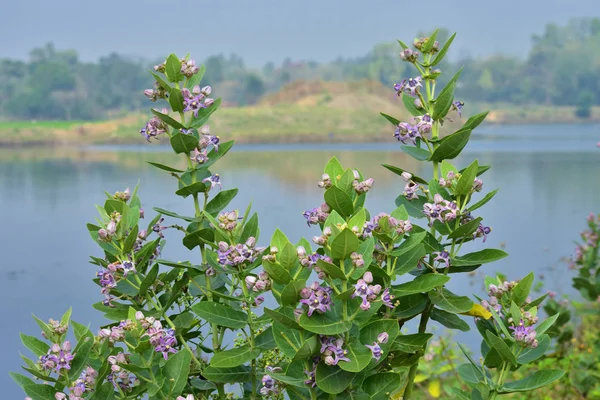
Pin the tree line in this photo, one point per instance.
(561, 68)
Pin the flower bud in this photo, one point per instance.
(208, 102)
(259, 300)
(250, 281)
(60, 396)
(301, 251)
(139, 315)
(383, 337)
(274, 250)
(305, 293)
(329, 360)
(210, 271)
(251, 242)
(223, 246)
(206, 90)
(368, 277)
(327, 231)
(196, 90)
(356, 174)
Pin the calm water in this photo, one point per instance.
(548, 175)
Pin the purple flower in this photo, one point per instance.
(525, 334)
(376, 350)
(166, 342)
(332, 351)
(368, 293)
(317, 298)
(193, 103)
(387, 298)
(214, 180)
(482, 231)
(189, 68)
(406, 131)
(362, 187)
(127, 267)
(268, 386)
(457, 106)
(442, 257)
(154, 127)
(409, 55)
(317, 215)
(312, 374)
(199, 157)
(383, 337)
(60, 356)
(410, 190)
(440, 210)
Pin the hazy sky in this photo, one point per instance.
(270, 30)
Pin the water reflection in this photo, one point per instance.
(47, 197)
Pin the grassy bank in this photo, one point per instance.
(301, 112)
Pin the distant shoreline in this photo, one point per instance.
(266, 125)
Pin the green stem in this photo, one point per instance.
(412, 373)
(500, 380)
(251, 329)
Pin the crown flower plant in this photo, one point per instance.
(315, 319)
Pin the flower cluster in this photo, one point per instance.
(239, 254)
(449, 180)
(399, 227)
(324, 237)
(409, 55)
(317, 215)
(440, 210)
(375, 348)
(85, 383)
(332, 351)
(196, 99)
(155, 94)
(189, 68)
(106, 234)
(270, 385)
(57, 328)
(415, 128)
(58, 357)
(155, 126)
(119, 377)
(409, 86)
(369, 293)
(524, 334)
(116, 333)
(362, 187)
(200, 153)
(108, 277)
(325, 181)
(419, 42)
(258, 283)
(163, 340)
(311, 375)
(442, 257)
(123, 196)
(411, 188)
(317, 298)
(228, 220)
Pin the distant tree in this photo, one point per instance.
(584, 105)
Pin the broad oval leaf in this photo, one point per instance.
(332, 379)
(344, 244)
(220, 314)
(234, 357)
(183, 143)
(449, 320)
(448, 301)
(339, 201)
(382, 385)
(423, 283)
(537, 380)
(451, 146)
(479, 257)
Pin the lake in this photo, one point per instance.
(548, 175)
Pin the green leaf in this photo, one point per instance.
(501, 347)
(334, 169)
(479, 257)
(149, 279)
(344, 244)
(44, 326)
(398, 171)
(440, 55)
(483, 201)
(332, 379)
(161, 82)
(265, 340)
(449, 320)
(475, 120)
(410, 259)
(220, 201)
(332, 270)
(34, 344)
(360, 356)
(443, 102)
(196, 78)
(205, 113)
(250, 229)
(530, 354)
(39, 391)
(448, 301)
(220, 314)
(358, 219)
(290, 295)
(289, 341)
(227, 375)
(411, 343)
(172, 214)
(176, 100)
(81, 351)
(409, 104)
(131, 239)
(465, 183)
(339, 200)
(285, 316)
(277, 272)
(287, 256)
(521, 290)
(196, 238)
(428, 45)
(537, 380)
(465, 230)
(391, 119)
(173, 68)
(279, 239)
(169, 121)
(414, 207)
(328, 323)
(79, 330)
(234, 357)
(423, 283)
(309, 347)
(369, 333)
(451, 146)
(383, 384)
(410, 306)
(416, 152)
(546, 324)
(183, 143)
(470, 374)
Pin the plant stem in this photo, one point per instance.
(412, 373)
(250, 327)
